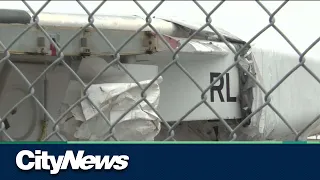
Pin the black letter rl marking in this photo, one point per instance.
(218, 87)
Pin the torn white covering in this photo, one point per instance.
(260, 126)
(296, 99)
(114, 99)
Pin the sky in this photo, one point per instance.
(299, 20)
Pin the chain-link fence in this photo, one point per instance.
(239, 55)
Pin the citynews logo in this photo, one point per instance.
(40, 160)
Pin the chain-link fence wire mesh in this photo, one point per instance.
(56, 131)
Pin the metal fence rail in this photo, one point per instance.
(175, 62)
